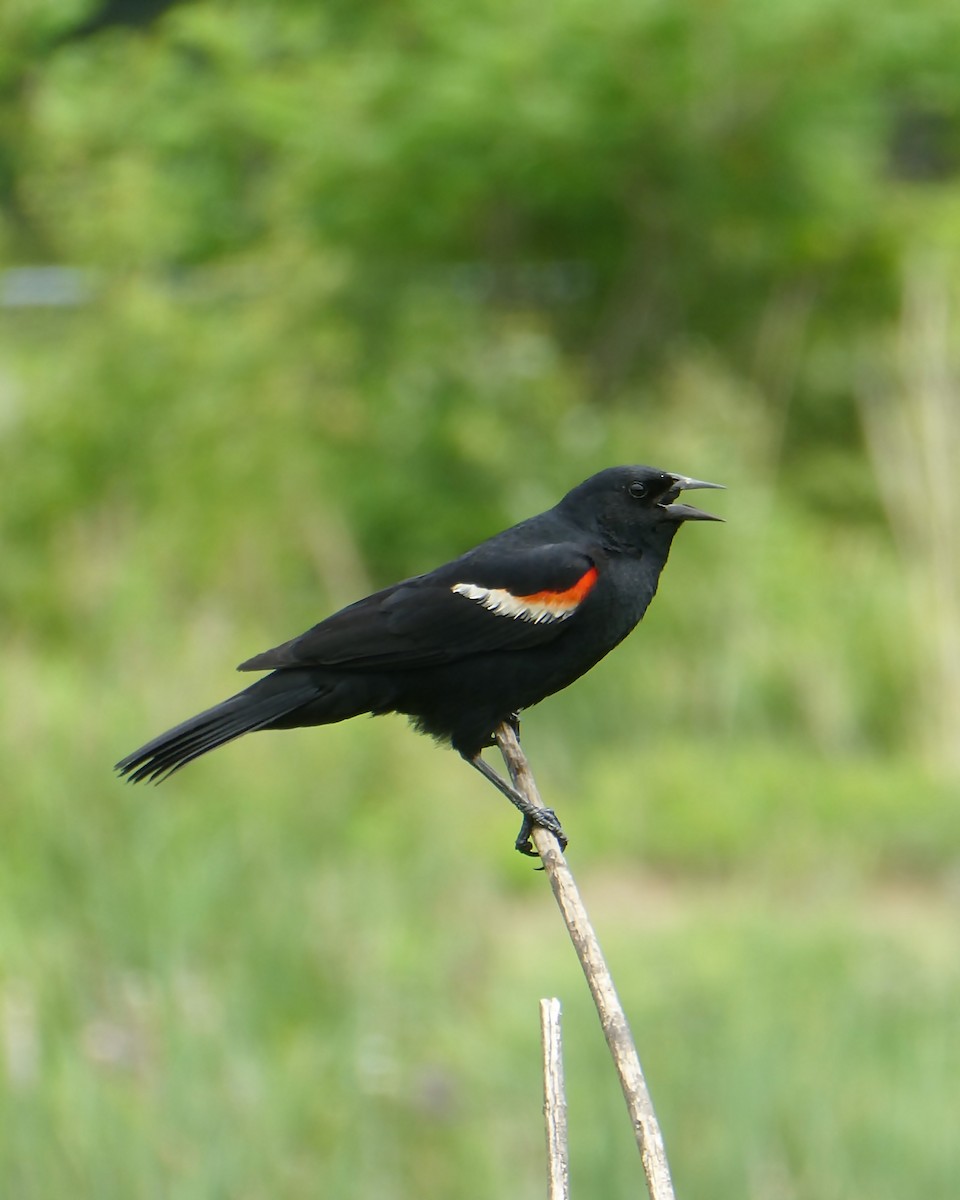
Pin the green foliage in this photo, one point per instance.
(363, 284)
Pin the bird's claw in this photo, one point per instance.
(547, 819)
(524, 842)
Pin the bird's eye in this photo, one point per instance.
(637, 490)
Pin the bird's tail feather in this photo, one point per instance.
(254, 708)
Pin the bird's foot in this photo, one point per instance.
(533, 814)
(547, 819)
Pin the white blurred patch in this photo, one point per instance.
(537, 609)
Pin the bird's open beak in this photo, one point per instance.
(686, 512)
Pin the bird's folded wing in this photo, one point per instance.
(477, 604)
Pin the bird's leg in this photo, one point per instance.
(546, 818)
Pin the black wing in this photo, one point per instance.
(478, 603)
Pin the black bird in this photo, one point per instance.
(469, 645)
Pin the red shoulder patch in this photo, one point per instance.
(568, 599)
(538, 607)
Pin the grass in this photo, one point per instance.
(311, 965)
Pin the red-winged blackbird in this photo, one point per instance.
(469, 645)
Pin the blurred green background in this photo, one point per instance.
(300, 298)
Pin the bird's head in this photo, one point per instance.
(635, 506)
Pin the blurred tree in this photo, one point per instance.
(136, 14)
(484, 249)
